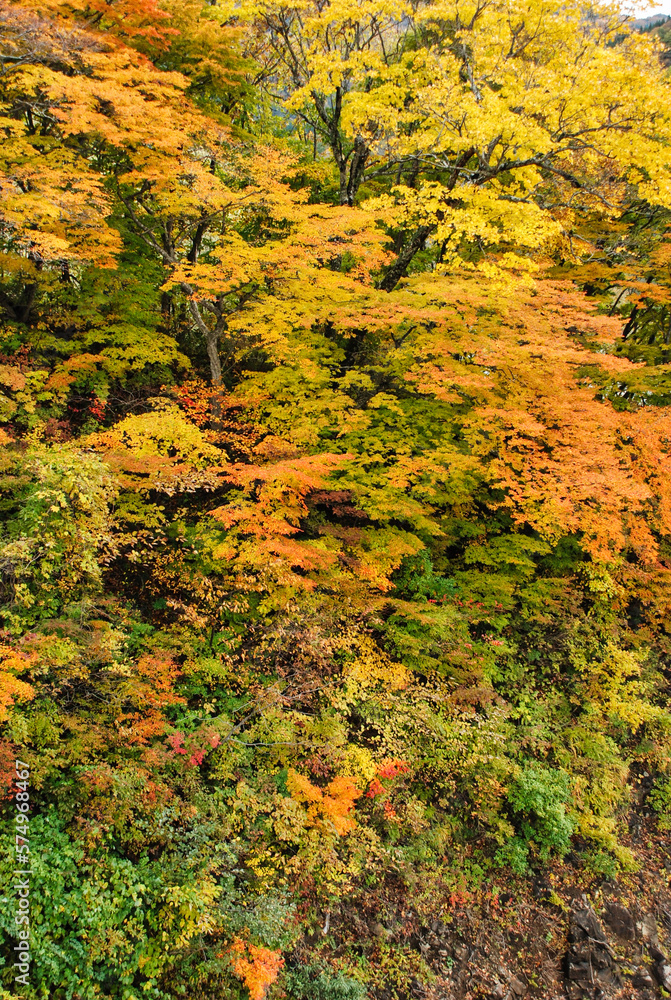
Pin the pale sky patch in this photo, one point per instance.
(645, 10)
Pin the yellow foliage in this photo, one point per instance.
(189, 910)
(373, 668)
(159, 450)
(612, 685)
(523, 108)
(360, 763)
(602, 830)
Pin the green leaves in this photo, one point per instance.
(539, 800)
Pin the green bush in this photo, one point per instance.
(538, 800)
(315, 983)
(660, 800)
(516, 854)
(417, 579)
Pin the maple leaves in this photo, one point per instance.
(331, 807)
(145, 19)
(545, 456)
(256, 966)
(12, 688)
(70, 105)
(159, 450)
(112, 110)
(324, 54)
(223, 273)
(508, 376)
(494, 126)
(236, 238)
(268, 511)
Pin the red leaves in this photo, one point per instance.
(196, 397)
(392, 769)
(375, 788)
(194, 747)
(97, 408)
(176, 740)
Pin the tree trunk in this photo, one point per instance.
(215, 362)
(211, 336)
(342, 170)
(399, 268)
(631, 324)
(356, 168)
(350, 165)
(408, 251)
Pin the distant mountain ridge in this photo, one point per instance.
(652, 21)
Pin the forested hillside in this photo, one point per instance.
(335, 480)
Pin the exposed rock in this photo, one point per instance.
(380, 931)
(587, 922)
(647, 929)
(662, 970)
(610, 954)
(589, 960)
(620, 921)
(642, 979)
(655, 954)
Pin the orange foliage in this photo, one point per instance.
(78, 86)
(332, 807)
(256, 966)
(157, 673)
(12, 663)
(569, 463)
(138, 730)
(267, 511)
(127, 19)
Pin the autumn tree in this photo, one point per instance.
(323, 55)
(502, 122)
